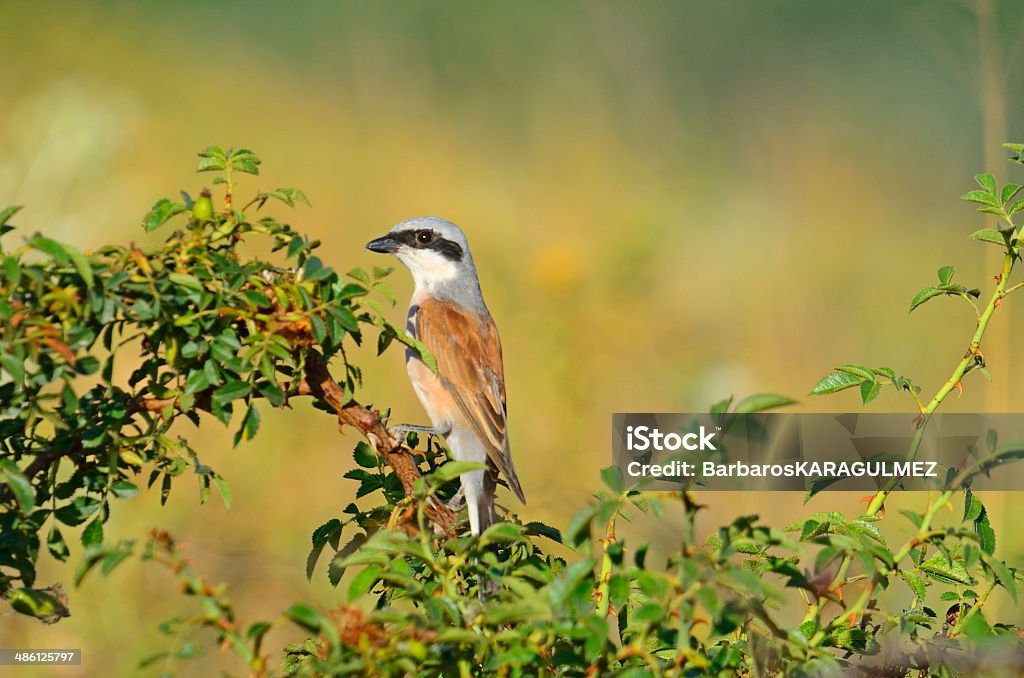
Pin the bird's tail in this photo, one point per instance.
(487, 517)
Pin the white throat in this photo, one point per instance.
(429, 269)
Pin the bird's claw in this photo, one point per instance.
(458, 500)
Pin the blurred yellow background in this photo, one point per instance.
(668, 203)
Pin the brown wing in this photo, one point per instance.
(468, 354)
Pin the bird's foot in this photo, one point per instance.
(458, 500)
(399, 431)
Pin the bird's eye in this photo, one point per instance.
(425, 237)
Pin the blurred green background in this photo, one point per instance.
(668, 203)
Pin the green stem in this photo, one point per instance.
(606, 569)
(965, 364)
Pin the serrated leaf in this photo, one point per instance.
(885, 372)
(940, 568)
(93, 533)
(233, 390)
(868, 391)
(924, 295)
(834, 382)
(989, 235)
(946, 274)
(1008, 191)
(916, 584)
(364, 455)
(987, 182)
(161, 211)
(224, 489)
(981, 198)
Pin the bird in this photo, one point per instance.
(465, 399)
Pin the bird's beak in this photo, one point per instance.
(384, 245)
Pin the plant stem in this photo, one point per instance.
(606, 569)
(968, 360)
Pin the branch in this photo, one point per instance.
(321, 385)
(395, 454)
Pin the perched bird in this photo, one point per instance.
(465, 400)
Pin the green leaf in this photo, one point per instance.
(972, 507)
(868, 391)
(940, 568)
(421, 350)
(52, 248)
(832, 383)
(22, 488)
(916, 584)
(8, 212)
(344, 317)
(12, 270)
(363, 581)
(289, 196)
(989, 235)
(452, 470)
(987, 182)
(124, 489)
(924, 295)
(946, 274)
(185, 280)
(980, 197)
(211, 158)
(306, 617)
(360, 275)
(233, 390)
(56, 545)
(858, 371)
(885, 372)
(161, 211)
(612, 476)
(224, 489)
(246, 161)
(93, 533)
(1009, 190)
(365, 455)
(1002, 573)
(81, 265)
(986, 535)
(502, 533)
(250, 425)
(13, 366)
(760, 402)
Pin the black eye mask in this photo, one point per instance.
(429, 240)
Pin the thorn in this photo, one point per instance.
(999, 303)
(918, 421)
(868, 499)
(959, 386)
(839, 593)
(998, 277)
